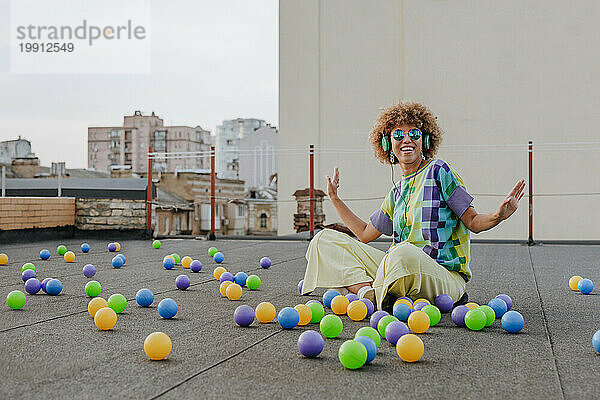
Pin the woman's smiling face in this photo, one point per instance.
(407, 151)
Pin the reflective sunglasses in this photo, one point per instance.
(414, 134)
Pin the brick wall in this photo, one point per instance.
(97, 214)
(36, 212)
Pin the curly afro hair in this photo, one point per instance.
(409, 113)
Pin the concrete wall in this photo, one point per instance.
(495, 73)
(257, 158)
(36, 212)
(99, 214)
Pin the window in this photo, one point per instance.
(241, 211)
(229, 142)
(141, 134)
(263, 220)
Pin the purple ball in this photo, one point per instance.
(458, 315)
(419, 306)
(243, 315)
(89, 270)
(195, 266)
(112, 247)
(226, 276)
(44, 282)
(265, 262)
(28, 274)
(507, 300)
(444, 302)
(351, 297)
(182, 282)
(394, 330)
(407, 298)
(370, 306)
(313, 301)
(310, 343)
(377, 315)
(32, 286)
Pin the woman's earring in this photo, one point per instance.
(393, 159)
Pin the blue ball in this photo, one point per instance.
(499, 306)
(240, 278)
(54, 287)
(328, 296)
(585, 286)
(288, 318)
(596, 341)
(144, 297)
(370, 345)
(512, 321)
(117, 262)
(401, 311)
(85, 247)
(122, 257)
(168, 263)
(167, 308)
(218, 257)
(45, 254)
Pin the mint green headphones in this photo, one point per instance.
(387, 145)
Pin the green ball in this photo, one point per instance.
(62, 249)
(352, 354)
(318, 312)
(28, 266)
(434, 314)
(117, 302)
(16, 299)
(176, 258)
(212, 251)
(156, 244)
(490, 314)
(369, 332)
(383, 323)
(93, 288)
(331, 326)
(253, 282)
(475, 319)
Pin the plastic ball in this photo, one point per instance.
(44, 282)
(339, 305)
(93, 288)
(472, 305)
(182, 282)
(331, 326)
(512, 322)
(253, 282)
(376, 316)
(54, 287)
(28, 274)
(410, 348)
(310, 343)
(167, 308)
(89, 270)
(401, 311)
(157, 346)
(177, 258)
(95, 304)
(118, 246)
(27, 266)
(596, 341)
(444, 302)
(499, 306)
(144, 297)
(117, 262)
(395, 330)
(288, 318)
(403, 300)
(585, 286)
(265, 312)
(16, 299)
(265, 262)
(434, 314)
(240, 278)
(218, 257)
(45, 254)
(234, 291)
(371, 333)
(226, 276)
(574, 281)
(475, 319)
(352, 354)
(419, 306)
(328, 296)
(168, 263)
(223, 287)
(419, 322)
(384, 322)
(111, 247)
(507, 300)
(212, 251)
(61, 250)
(117, 302)
(370, 306)
(370, 346)
(490, 315)
(3, 259)
(105, 318)
(317, 310)
(356, 310)
(351, 297)
(186, 261)
(85, 248)
(122, 257)
(243, 315)
(407, 299)
(420, 301)
(305, 314)
(33, 285)
(195, 266)
(218, 271)
(156, 244)
(301, 286)
(458, 315)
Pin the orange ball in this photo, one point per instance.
(218, 271)
(186, 261)
(105, 318)
(233, 291)
(95, 304)
(418, 321)
(472, 305)
(305, 314)
(69, 256)
(118, 246)
(265, 312)
(404, 301)
(339, 304)
(223, 288)
(574, 281)
(410, 347)
(357, 310)
(3, 259)
(157, 345)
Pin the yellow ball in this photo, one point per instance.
(118, 246)
(105, 318)
(472, 305)
(95, 304)
(69, 256)
(573, 282)
(418, 321)
(404, 301)
(305, 314)
(410, 347)
(357, 310)
(157, 345)
(233, 291)
(3, 259)
(421, 300)
(223, 288)
(265, 312)
(186, 261)
(218, 271)
(339, 304)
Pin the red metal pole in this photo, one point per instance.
(530, 241)
(212, 194)
(311, 192)
(149, 192)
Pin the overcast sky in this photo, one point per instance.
(211, 60)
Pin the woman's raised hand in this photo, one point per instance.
(511, 202)
(333, 184)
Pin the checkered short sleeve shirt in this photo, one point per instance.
(433, 200)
